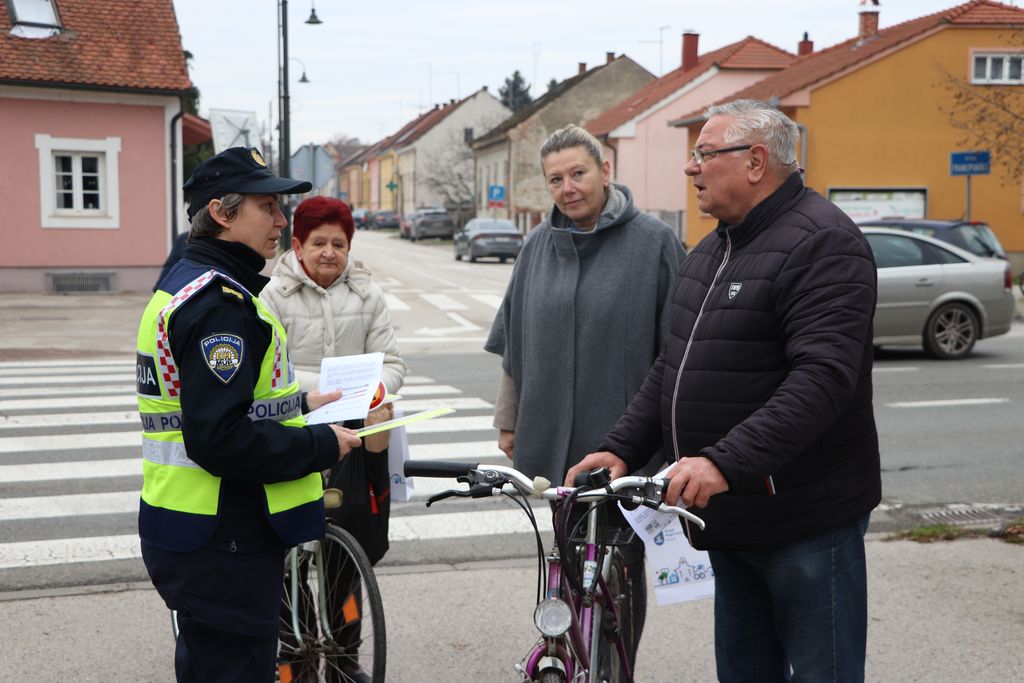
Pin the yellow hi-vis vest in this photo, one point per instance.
(180, 500)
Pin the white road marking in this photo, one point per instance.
(452, 424)
(492, 300)
(1004, 366)
(36, 392)
(443, 302)
(70, 442)
(58, 380)
(72, 505)
(953, 402)
(128, 402)
(428, 390)
(470, 451)
(83, 469)
(125, 365)
(426, 527)
(70, 420)
(458, 403)
(395, 304)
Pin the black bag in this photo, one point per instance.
(365, 484)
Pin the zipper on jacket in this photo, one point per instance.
(686, 353)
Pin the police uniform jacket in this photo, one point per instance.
(218, 433)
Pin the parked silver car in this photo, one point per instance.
(488, 237)
(933, 294)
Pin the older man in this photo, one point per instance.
(763, 395)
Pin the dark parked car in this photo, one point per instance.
(359, 217)
(384, 219)
(933, 294)
(431, 223)
(974, 236)
(488, 237)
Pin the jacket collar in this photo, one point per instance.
(293, 277)
(762, 216)
(231, 258)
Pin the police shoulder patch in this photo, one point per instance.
(223, 354)
(230, 293)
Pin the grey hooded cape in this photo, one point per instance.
(581, 323)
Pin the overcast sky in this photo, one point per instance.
(375, 64)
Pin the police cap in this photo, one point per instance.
(241, 170)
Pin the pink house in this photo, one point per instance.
(648, 155)
(90, 109)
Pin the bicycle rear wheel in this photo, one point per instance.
(340, 615)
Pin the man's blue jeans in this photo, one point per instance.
(795, 613)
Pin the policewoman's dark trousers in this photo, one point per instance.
(228, 597)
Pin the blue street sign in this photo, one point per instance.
(969, 163)
(496, 195)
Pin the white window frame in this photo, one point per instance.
(1006, 57)
(109, 215)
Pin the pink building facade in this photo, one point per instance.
(90, 114)
(88, 179)
(647, 154)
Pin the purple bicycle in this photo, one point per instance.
(583, 608)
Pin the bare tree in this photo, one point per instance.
(448, 172)
(988, 117)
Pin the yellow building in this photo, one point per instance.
(388, 181)
(875, 118)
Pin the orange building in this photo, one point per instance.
(875, 121)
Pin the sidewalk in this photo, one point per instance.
(938, 612)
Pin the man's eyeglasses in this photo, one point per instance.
(702, 155)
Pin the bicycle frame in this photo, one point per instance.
(570, 648)
(321, 604)
(579, 649)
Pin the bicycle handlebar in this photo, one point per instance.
(539, 487)
(437, 468)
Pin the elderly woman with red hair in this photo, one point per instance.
(326, 301)
(330, 307)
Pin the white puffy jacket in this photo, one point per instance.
(349, 317)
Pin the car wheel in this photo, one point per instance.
(458, 256)
(951, 331)
(503, 259)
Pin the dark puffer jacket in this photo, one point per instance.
(768, 367)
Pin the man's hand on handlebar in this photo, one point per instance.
(695, 480)
(592, 461)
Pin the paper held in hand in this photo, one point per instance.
(357, 377)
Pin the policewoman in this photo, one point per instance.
(231, 472)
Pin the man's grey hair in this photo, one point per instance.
(569, 137)
(203, 224)
(757, 122)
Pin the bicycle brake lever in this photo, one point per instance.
(448, 494)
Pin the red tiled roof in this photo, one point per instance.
(818, 66)
(749, 53)
(103, 44)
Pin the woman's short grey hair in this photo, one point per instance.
(757, 122)
(569, 137)
(203, 224)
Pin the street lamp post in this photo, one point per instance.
(284, 105)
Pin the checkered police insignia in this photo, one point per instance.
(734, 289)
(223, 355)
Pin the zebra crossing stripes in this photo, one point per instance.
(69, 451)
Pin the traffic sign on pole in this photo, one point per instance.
(970, 163)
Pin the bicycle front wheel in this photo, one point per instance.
(607, 660)
(331, 594)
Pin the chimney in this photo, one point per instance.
(868, 22)
(609, 57)
(690, 50)
(805, 46)
(583, 67)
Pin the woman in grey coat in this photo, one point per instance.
(582, 320)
